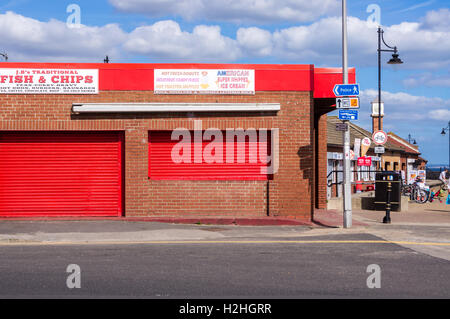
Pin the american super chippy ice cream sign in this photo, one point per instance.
(194, 81)
(48, 81)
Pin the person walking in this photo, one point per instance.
(443, 178)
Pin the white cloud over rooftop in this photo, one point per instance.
(28, 39)
(235, 11)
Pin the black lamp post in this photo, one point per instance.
(443, 133)
(410, 139)
(394, 60)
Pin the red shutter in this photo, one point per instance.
(60, 174)
(162, 167)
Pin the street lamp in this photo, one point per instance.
(5, 56)
(394, 60)
(410, 139)
(443, 133)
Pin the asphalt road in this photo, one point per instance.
(224, 270)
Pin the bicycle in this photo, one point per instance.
(406, 190)
(414, 192)
(439, 194)
(418, 194)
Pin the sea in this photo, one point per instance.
(437, 167)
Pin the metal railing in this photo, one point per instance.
(352, 171)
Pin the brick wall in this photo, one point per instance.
(375, 126)
(322, 162)
(290, 192)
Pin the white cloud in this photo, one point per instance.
(238, 11)
(166, 40)
(420, 47)
(417, 6)
(422, 117)
(404, 107)
(318, 42)
(255, 41)
(437, 20)
(440, 114)
(27, 39)
(321, 41)
(427, 79)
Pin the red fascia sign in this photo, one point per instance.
(364, 161)
(49, 81)
(140, 77)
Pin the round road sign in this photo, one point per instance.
(379, 137)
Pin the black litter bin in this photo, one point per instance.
(381, 185)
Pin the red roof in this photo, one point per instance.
(394, 139)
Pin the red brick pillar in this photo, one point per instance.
(321, 160)
(375, 126)
(136, 170)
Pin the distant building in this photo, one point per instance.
(398, 156)
(410, 159)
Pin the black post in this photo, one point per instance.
(379, 78)
(387, 218)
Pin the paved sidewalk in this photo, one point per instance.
(118, 231)
(435, 213)
(426, 222)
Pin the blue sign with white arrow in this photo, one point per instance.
(348, 115)
(346, 89)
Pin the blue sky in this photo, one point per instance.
(416, 94)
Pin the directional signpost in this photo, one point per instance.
(346, 90)
(347, 103)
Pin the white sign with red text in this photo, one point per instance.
(49, 81)
(208, 81)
